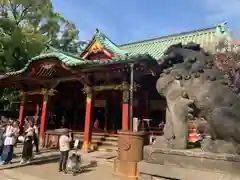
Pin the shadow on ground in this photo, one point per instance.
(37, 153)
(36, 161)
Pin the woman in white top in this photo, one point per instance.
(11, 134)
(64, 147)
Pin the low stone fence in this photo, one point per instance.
(164, 164)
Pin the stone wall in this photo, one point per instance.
(159, 164)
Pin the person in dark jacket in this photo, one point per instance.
(2, 131)
(27, 153)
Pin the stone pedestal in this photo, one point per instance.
(130, 152)
(193, 164)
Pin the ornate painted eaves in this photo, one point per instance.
(100, 43)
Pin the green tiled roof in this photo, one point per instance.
(74, 61)
(107, 44)
(150, 50)
(70, 61)
(155, 47)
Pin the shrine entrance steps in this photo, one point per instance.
(100, 141)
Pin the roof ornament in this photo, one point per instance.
(223, 37)
(221, 29)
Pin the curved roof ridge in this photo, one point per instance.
(102, 35)
(70, 61)
(170, 36)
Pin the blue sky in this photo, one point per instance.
(131, 20)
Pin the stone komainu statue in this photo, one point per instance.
(193, 86)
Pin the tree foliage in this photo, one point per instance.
(227, 59)
(26, 26)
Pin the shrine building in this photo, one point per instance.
(100, 90)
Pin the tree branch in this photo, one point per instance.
(13, 10)
(23, 13)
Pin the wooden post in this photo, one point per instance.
(88, 121)
(21, 110)
(43, 119)
(125, 107)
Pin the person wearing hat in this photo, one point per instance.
(64, 147)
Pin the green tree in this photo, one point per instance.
(26, 26)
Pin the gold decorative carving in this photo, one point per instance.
(125, 89)
(119, 87)
(88, 92)
(50, 92)
(96, 47)
(89, 99)
(125, 86)
(45, 98)
(22, 96)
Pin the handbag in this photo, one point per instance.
(21, 138)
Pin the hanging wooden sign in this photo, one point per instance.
(99, 103)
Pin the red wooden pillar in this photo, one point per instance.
(88, 121)
(43, 123)
(21, 110)
(125, 107)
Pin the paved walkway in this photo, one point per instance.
(45, 167)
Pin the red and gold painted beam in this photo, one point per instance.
(49, 92)
(119, 87)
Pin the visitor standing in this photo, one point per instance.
(9, 141)
(16, 130)
(28, 143)
(36, 137)
(2, 130)
(64, 147)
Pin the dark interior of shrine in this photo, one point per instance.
(150, 105)
(108, 111)
(33, 106)
(67, 108)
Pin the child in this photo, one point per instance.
(64, 147)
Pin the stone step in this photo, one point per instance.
(103, 138)
(107, 148)
(101, 142)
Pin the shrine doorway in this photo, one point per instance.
(108, 111)
(68, 106)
